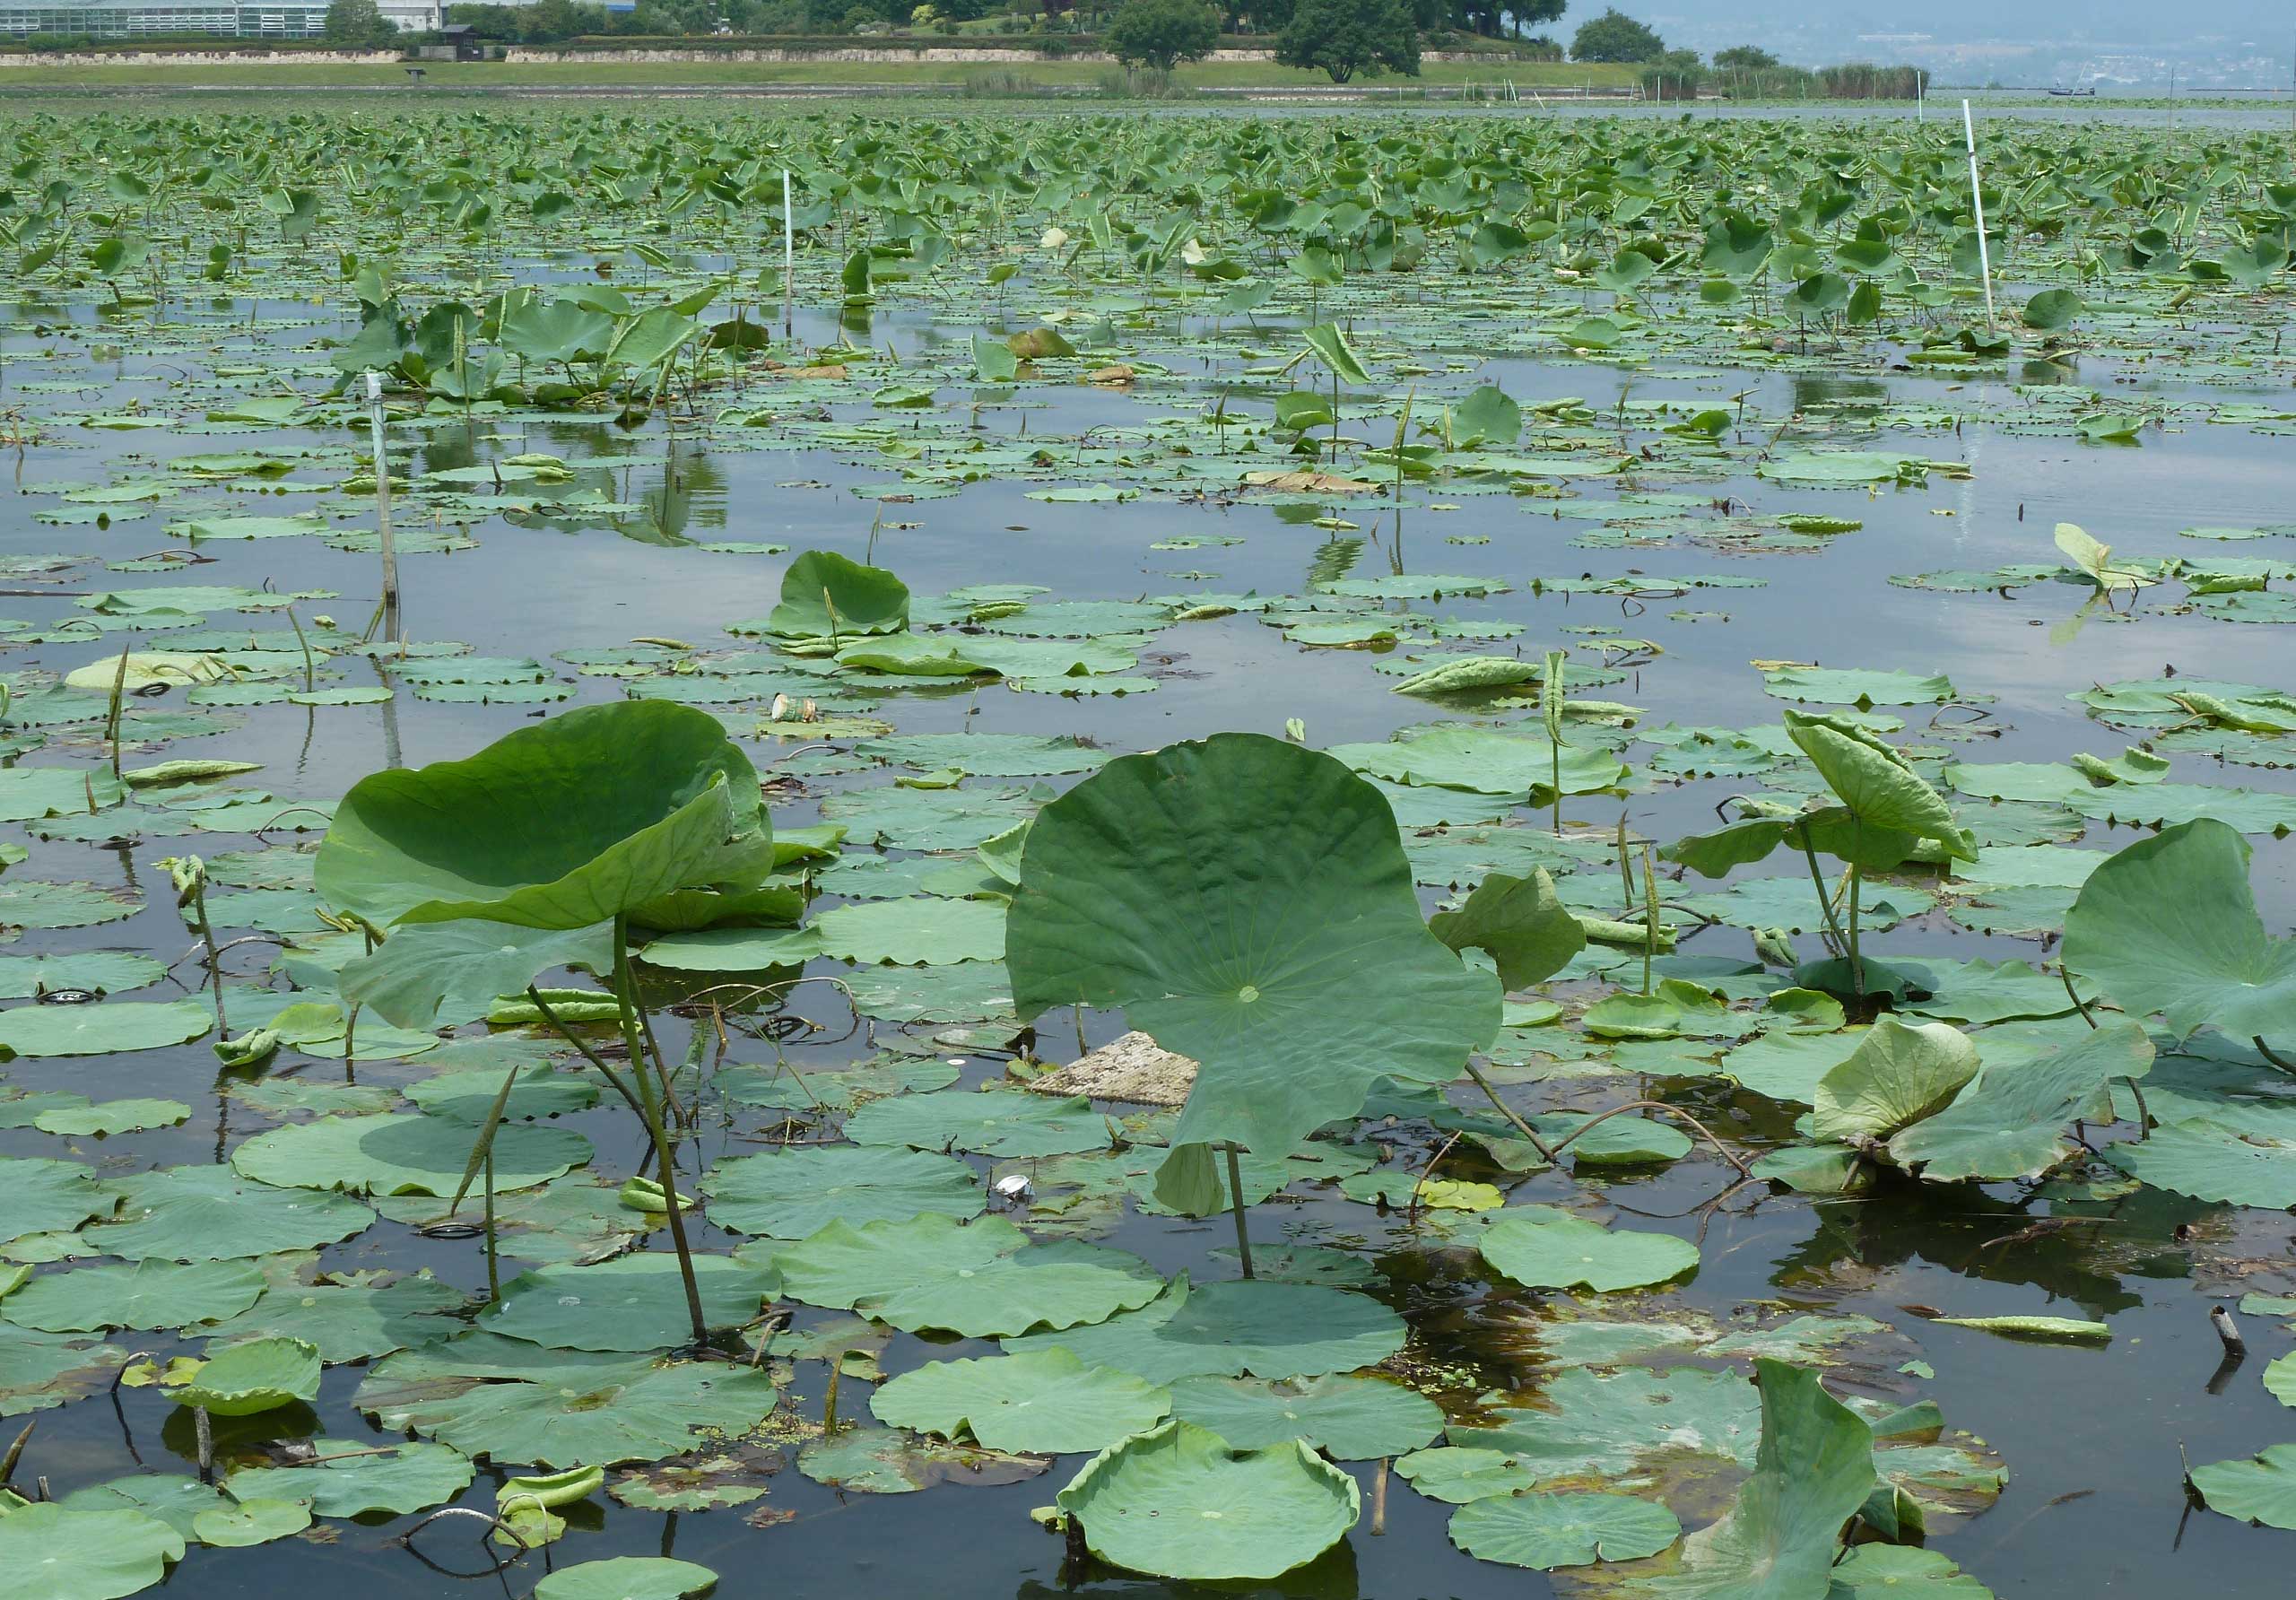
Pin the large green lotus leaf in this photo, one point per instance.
(57, 1553)
(468, 1096)
(628, 1578)
(1812, 1471)
(835, 1089)
(1899, 1074)
(106, 971)
(1546, 1531)
(789, 1194)
(47, 1196)
(1980, 992)
(1177, 1502)
(895, 1461)
(1590, 1424)
(1879, 786)
(1526, 928)
(1047, 1402)
(573, 821)
(27, 793)
(41, 1371)
(826, 595)
(150, 1294)
(347, 1481)
(518, 1403)
(400, 1153)
(1229, 896)
(112, 1117)
(979, 1279)
(2170, 925)
(2261, 1490)
(164, 1496)
(107, 1029)
(2011, 1120)
(1457, 1473)
(351, 1322)
(631, 1302)
(1902, 1572)
(207, 1213)
(1484, 761)
(1542, 1247)
(1223, 1330)
(920, 932)
(241, 1381)
(443, 974)
(2280, 1378)
(986, 755)
(2247, 1157)
(1346, 1417)
(992, 1122)
(35, 903)
(926, 819)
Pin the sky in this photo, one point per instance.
(2268, 23)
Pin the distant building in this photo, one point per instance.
(223, 19)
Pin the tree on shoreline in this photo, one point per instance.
(1344, 38)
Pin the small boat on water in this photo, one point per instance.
(2087, 94)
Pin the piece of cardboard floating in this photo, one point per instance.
(1133, 1068)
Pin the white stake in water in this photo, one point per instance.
(788, 257)
(1977, 196)
(383, 505)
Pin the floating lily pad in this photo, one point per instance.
(1177, 1502)
(1543, 1247)
(1267, 1329)
(150, 1294)
(1546, 1531)
(996, 1122)
(789, 1194)
(1046, 1401)
(204, 1214)
(353, 1478)
(629, 1303)
(59, 1553)
(979, 1279)
(1346, 1417)
(395, 1153)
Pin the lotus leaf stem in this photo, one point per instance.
(2264, 1051)
(1825, 899)
(1720, 1149)
(1546, 1152)
(1236, 1205)
(649, 1109)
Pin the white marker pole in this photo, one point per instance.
(383, 505)
(788, 257)
(1977, 196)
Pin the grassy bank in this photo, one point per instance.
(23, 76)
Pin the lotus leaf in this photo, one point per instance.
(59, 1553)
(1346, 1417)
(2243, 1155)
(790, 1194)
(514, 1401)
(395, 1153)
(628, 1578)
(1047, 1402)
(629, 1303)
(2261, 1490)
(1546, 1249)
(241, 1381)
(827, 596)
(1177, 1502)
(1546, 1531)
(979, 1279)
(250, 1522)
(350, 1322)
(1457, 1473)
(2011, 1120)
(1521, 923)
(1608, 1426)
(1271, 1330)
(1227, 895)
(107, 1029)
(41, 1371)
(150, 1294)
(526, 832)
(1902, 1572)
(206, 1214)
(1899, 1074)
(442, 974)
(994, 1122)
(912, 933)
(349, 1478)
(47, 1196)
(2170, 925)
(893, 1461)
